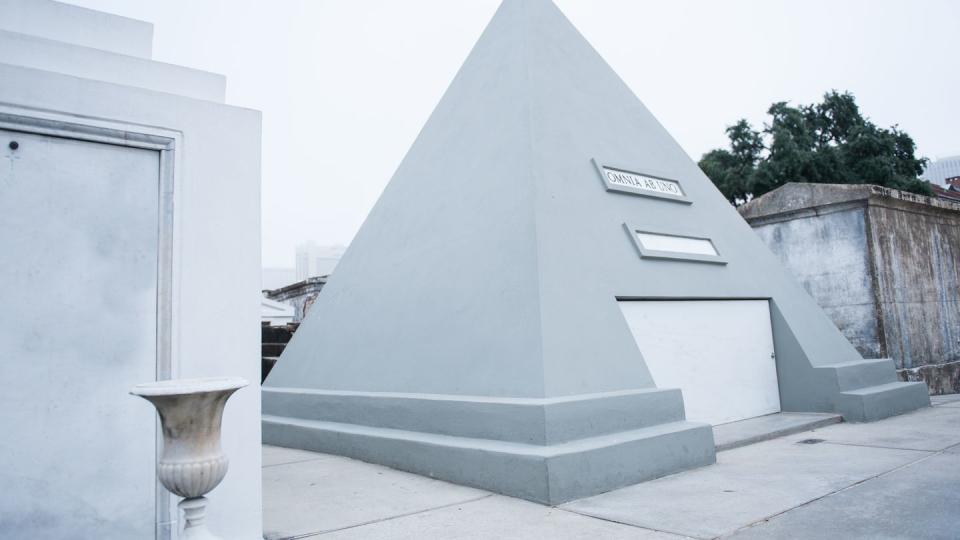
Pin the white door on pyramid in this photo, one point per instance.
(78, 328)
(718, 352)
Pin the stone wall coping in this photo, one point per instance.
(798, 196)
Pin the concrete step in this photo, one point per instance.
(542, 421)
(880, 401)
(547, 474)
(864, 373)
(770, 426)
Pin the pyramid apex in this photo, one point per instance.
(528, 3)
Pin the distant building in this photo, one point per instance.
(937, 172)
(951, 191)
(314, 260)
(300, 295)
(881, 263)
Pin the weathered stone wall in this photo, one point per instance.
(831, 263)
(884, 265)
(300, 295)
(916, 251)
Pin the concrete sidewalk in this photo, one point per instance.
(897, 478)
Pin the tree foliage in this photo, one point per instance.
(828, 142)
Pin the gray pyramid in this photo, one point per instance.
(495, 321)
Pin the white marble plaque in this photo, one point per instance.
(676, 244)
(663, 245)
(637, 183)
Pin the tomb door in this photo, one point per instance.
(78, 327)
(718, 352)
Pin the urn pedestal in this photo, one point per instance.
(192, 462)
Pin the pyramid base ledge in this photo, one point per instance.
(547, 474)
(537, 421)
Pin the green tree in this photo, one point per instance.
(828, 142)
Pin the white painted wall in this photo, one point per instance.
(77, 25)
(31, 51)
(216, 313)
(718, 352)
(79, 279)
(215, 175)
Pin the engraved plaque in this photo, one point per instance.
(637, 183)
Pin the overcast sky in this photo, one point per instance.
(346, 85)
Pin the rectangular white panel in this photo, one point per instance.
(718, 352)
(79, 234)
(676, 244)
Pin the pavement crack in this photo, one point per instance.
(398, 516)
(290, 462)
(634, 525)
(882, 447)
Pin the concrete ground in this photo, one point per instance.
(897, 478)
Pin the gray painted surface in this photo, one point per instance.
(492, 264)
(78, 227)
(547, 474)
(539, 421)
(882, 264)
